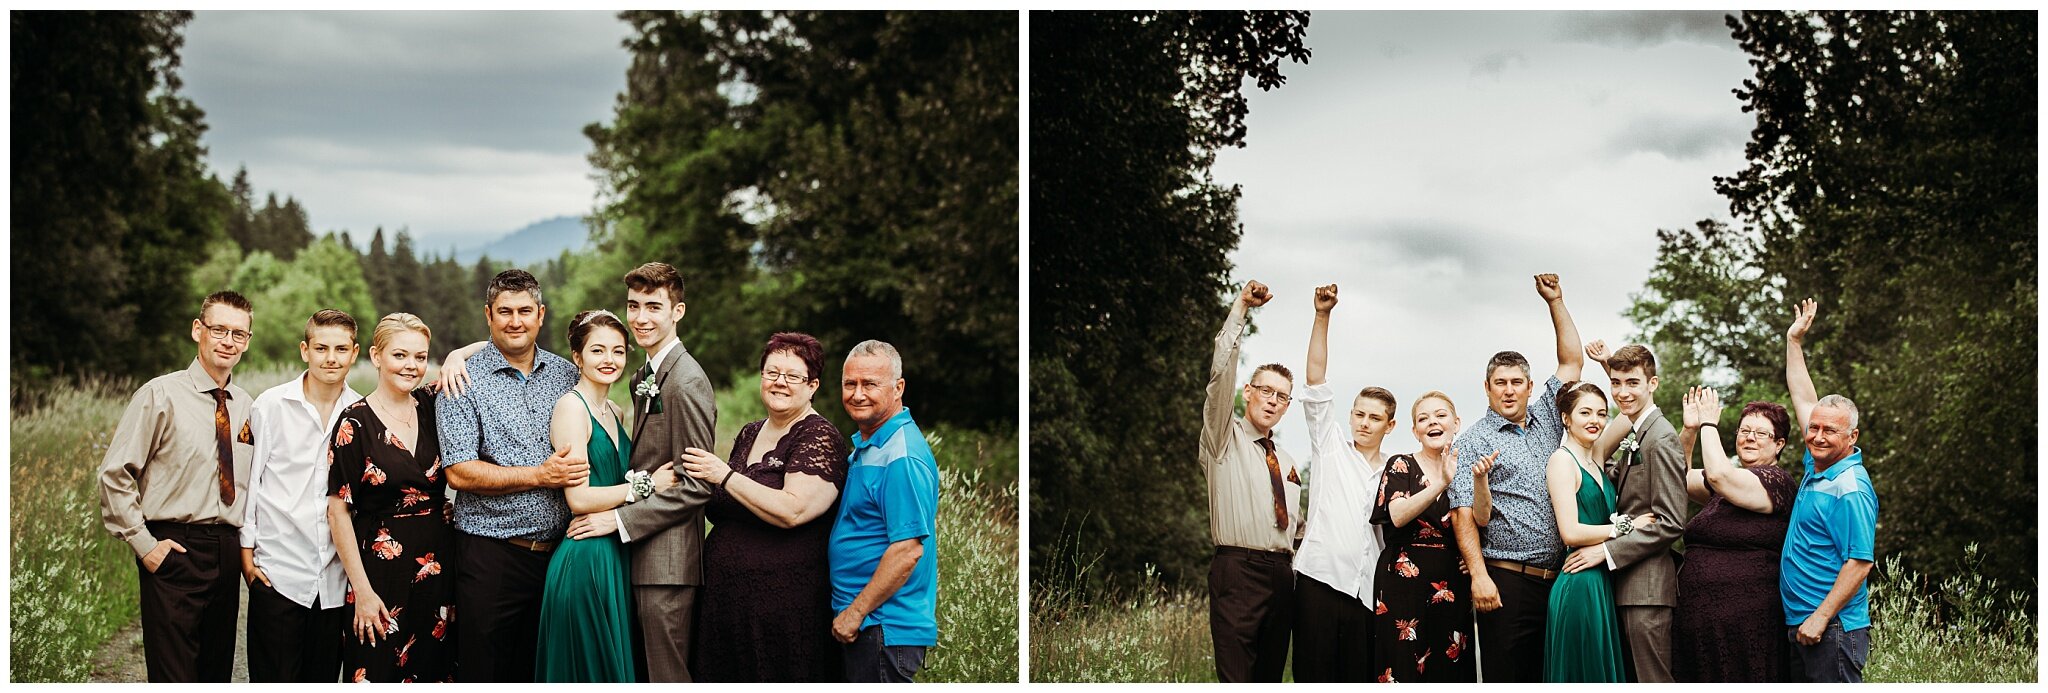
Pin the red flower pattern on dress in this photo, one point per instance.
(1427, 530)
(434, 469)
(391, 625)
(1420, 661)
(411, 496)
(1405, 627)
(372, 474)
(1380, 607)
(346, 433)
(1457, 646)
(384, 546)
(441, 622)
(362, 676)
(405, 651)
(428, 566)
(1400, 466)
(343, 494)
(392, 438)
(1388, 676)
(1406, 568)
(1443, 593)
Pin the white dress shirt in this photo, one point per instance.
(1342, 546)
(287, 522)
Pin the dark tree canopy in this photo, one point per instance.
(1130, 244)
(1892, 177)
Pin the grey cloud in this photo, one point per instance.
(1495, 63)
(1679, 138)
(1645, 28)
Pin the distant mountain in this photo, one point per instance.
(538, 242)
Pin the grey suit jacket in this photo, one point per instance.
(1649, 479)
(667, 530)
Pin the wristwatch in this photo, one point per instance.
(642, 486)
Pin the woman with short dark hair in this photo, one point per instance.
(1730, 623)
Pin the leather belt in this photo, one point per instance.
(530, 545)
(1522, 568)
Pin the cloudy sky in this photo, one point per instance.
(1430, 164)
(462, 126)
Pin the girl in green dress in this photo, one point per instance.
(1582, 642)
(587, 633)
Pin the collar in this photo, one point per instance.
(654, 362)
(887, 431)
(1855, 459)
(492, 360)
(1636, 424)
(1493, 421)
(203, 382)
(295, 391)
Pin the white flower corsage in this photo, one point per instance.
(648, 389)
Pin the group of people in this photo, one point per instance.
(1537, 545)
(574, 548)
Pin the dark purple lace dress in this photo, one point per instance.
(765, 612)
(1730, 625)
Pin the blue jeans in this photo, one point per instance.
(869, 661)
(1838, 657)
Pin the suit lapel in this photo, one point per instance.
(668, 365)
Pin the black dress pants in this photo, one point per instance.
(189, 604)
(1511, 637)
(1251, 610)
(497, 608)
(1332, 635)
(289, 643)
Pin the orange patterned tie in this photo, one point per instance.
(1279, 491)
(224, 446)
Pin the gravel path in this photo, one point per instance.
(120, 660)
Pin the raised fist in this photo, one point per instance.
(1326, 298)
(1254, 295)
(1597, 351)
(1547, 287)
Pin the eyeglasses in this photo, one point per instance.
(241, 336)
(1756, 433)
(1274, 394)
(791, 378)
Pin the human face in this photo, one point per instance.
(1756, 440)
(782, 397)
(1371, 420)
(1586, 419)
(402, 362)
(870, 392)
(220, 354)
(652, 316)
(1435, 424)
(1828, 435)
(515, 320)
(329, 352)
(1507, 391)
(603, 356)
(1263, 410)
(1632, 390)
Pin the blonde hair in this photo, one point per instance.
(1435, 394)
(390, 325)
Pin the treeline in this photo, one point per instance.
(1892, 175)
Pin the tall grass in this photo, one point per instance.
(1150, 633)
(1967, 632)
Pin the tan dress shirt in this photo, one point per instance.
(162, 464)
(1240, 487)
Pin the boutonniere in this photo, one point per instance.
(1628, 445)
(648, 389)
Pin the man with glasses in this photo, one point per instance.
(1254, 507)
(1831, 543)
(174, 486)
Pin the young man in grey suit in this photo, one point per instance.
(673, 408)
(1648, 470)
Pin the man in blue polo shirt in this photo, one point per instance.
(1831, 544)
(883, 552)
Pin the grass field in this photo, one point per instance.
(1156, 634)
(74, 584)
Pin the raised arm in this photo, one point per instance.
(1618, 426)
(1797, 380)
(1221, 397)
(1722, 473)
(1569, 362)
(1695, 479)
(1319, 335)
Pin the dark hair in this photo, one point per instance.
(1568, 396)
(513, 281)
(658, 275)
(1631, 357)
(1506, 358)
(1381, 395)
(581, 325)
(805, 347)
(1781, 425)
(331, 318)
(230, 298)
(1276, 368)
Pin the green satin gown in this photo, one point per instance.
(587, 629)
(1583, 640)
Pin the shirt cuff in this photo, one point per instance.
(1610, 555)
(142, 542)
(623, 538)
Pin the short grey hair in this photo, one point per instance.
(1842, 403)
(876, 347)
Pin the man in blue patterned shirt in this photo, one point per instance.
(509, 512)
(1511, 577)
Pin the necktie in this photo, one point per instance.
(1279, 491)
(224, 447)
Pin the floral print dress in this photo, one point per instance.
(397, 498)
(1423, 631)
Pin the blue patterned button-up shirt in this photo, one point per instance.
(1523, 527)
(503, 418)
